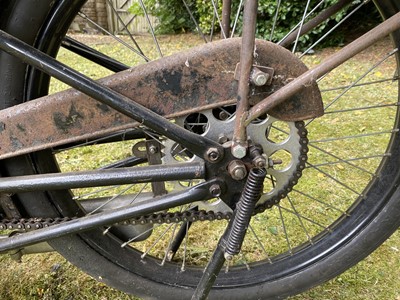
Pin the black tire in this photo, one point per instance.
(371, 220)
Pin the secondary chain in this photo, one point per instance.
(30, 224)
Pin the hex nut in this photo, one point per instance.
(213, 154)
(237, 170)
(215, 190)
(260, 162)
(259, 78)
(238, 150)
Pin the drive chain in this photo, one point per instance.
(30, 224)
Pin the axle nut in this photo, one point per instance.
(237, 170)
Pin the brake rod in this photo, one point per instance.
(390, 25)
(102, 177)
(146, 207)
(198, 145)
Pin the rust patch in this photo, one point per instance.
(65, 122)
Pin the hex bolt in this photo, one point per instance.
(215, 190)
(238, 150)
(237, 170)
(239, 173)
(273, 162)
(258, 77)
(213, 154)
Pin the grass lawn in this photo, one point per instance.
(50, 276)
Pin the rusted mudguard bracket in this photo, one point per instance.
(191, 81)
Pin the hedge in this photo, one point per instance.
(174, 17)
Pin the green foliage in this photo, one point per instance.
(289, 16)
(207, 19)
(174, 18)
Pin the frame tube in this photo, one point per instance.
(103, 177)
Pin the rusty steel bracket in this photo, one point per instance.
(269, 73)
(191, 81)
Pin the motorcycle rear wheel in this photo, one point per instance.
(368, 221)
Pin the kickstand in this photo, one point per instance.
(231, 241)
(213, 267)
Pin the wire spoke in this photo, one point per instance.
(185, 247)
(365, 74)
(321, 202)
(237, 18)
(167, 249)
(85, 17)
(354, 136)
(259, 243)
(304, 217)
(340, 96)
(278, 6)
(334, 27)
(352, 159)
(216, 14)
(111, 199)
(284, 230)
(157, 240)
(151, 27)
(342, 160)
(298, 24)
(125, 27)
(194, 21)
(362, 108)
(301, 26)
(334, 179)
(300, 220)
(93, 55)
(139, 235)
(394, 78)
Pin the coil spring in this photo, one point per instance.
(244, 210)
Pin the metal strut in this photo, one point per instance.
(239, 145)
(232, 239)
